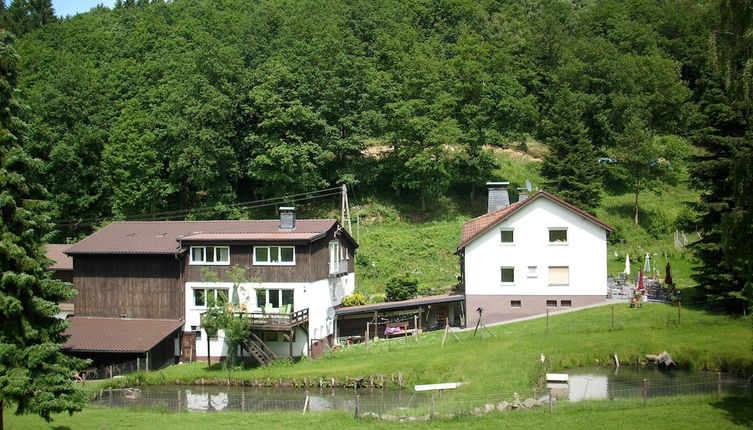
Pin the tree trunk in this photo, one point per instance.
(636, 206)
(423, 200)
(473, 193)
(209, 354)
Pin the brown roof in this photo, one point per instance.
(117, 334)
(418, 301)
(161, 237)
(478, 225)
(55, 252)
(232, 237)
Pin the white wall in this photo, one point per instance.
(318, 297)
(585, 254)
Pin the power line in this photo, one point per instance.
(166, 215)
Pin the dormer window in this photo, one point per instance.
(210, 255)
(274, 255)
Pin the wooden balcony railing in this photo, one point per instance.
(338, 268)
(278, 321)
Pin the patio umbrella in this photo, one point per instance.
(627, 264)
(640, 280)
(668, 276)
(647, 263)
(235, 300)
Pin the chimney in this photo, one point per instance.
(287, 218)
(498, 195)
(522, 193)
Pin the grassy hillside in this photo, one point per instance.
(398, 238)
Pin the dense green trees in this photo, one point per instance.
(35, 376)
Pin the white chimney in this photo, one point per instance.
(522, 193)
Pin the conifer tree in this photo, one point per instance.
(35, 376)
(571, 168)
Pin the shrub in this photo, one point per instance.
(401, 287)
(378, 298)
(355, 299)
(660, 225)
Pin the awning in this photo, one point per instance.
(117, 334)
(403, 304)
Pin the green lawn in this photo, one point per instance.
(681, 412)
(509, 361)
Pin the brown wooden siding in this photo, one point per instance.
(311, 263)
(139, 286)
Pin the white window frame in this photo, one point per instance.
(204, 253)
(506, 283)
(206, 289)
(533, 272)
(266, 296)
(567, 236)
(549, 275)
(269, 262)
(511, 230)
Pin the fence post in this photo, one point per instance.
(719, 384)
(367, 338)
(645, 391)
(415, 326)
(551, 401)
(358, 406)
(180, 401)
(243, 401)
(433, 405)
(612, 316)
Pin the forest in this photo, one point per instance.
(182, 109)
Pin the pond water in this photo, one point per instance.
(598, 383)
(251, 399)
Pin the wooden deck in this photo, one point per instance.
(276, 321)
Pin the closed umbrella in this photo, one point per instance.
(647, 263)
(668, 276)
(627, 264)
(640, 280)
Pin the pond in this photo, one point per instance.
(599, 383)
(204, 398)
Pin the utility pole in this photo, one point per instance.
(345, 208)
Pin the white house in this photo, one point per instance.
(541, 252)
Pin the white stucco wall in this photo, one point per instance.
(318, 297)
(585, 254)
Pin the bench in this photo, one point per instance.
(397, 329)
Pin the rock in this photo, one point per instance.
(503, 406)
(423, 418)
(544, 400)
(477, 411)
(389, 418)
(370, 415)
(436, 415)
(530, 403)
(450, 416)
(408, 419)
(488, 408)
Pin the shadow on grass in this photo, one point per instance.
(738, 410)
(61, 428)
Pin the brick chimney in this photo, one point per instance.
(498, 195)
(287, 218)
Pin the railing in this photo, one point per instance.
(338, 267)
(267, 320)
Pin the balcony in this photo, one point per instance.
(277, 321)
(338, 268)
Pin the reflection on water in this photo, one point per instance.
(599, 383)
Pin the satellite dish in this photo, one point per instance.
(528, 185)
(331, 313)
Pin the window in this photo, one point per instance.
(277, 298)
(559, 275)
(558, 235)
(210, 255)
(551, 303)
(507, 275)
(201, 296)
(274, 255)
(532, 272)
(515, 303)
(566, 303)
(506, 236)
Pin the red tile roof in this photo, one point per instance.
(478, 225)
(61, 261)
(117, 334)
(160, 237)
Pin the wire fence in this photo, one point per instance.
(112, 370)
(405, 404)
